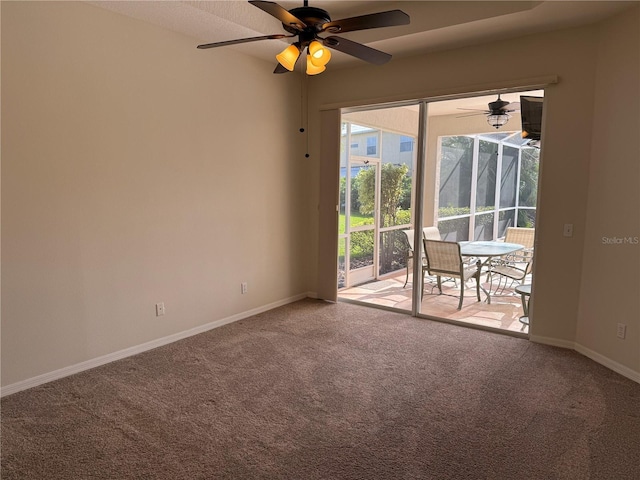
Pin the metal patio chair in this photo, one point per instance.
(444, 259)
(409, 235)
(431, 233)
(514, 267)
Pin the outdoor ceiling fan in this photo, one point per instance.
(498, 113)
(308, 23)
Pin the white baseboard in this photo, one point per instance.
(554, 342)
(607, 362)
(128, 352)
(587, 352)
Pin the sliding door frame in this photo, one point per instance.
(416, 294)
(330, 115)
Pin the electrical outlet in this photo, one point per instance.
(243, 287)
(621, 331)
(568, 230)
(159, 309)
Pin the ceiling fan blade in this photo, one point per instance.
(472, 114)
(474, 110)
(363, 22)
(357, 50)
(244, 40)
(280, 13)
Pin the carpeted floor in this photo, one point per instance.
(331, 391)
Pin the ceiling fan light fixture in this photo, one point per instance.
(320, 55)
(289, 56)
(313, 69)
(307, 24)
(498, 121)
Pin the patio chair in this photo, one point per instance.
(431, 233)
(444, 259)
(516, 266)
(521, 235)
(409, 235)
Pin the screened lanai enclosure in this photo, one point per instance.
(486, 183)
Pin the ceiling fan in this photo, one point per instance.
(308, 23)
(498, 113)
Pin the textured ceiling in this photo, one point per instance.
(434, 25)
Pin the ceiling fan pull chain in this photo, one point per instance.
(302, 104)
(306, 82)
(304, 108)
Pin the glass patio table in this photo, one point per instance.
(484, 251)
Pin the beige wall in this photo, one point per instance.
(610, 282)
(564, 178)
(137, 169)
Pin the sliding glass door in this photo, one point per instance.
(482, 181)
(473, 182)
(377, 164)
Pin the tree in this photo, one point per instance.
(391, 191)
(405, 200)
(391, 194)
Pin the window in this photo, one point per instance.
(372, 145)
(406, 144)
